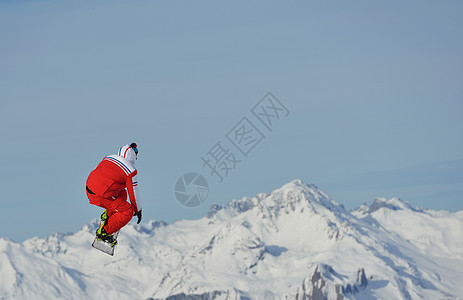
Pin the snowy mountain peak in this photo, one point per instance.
(393, 204)
(291, 195)
(243, 250)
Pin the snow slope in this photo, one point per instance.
(294, 243)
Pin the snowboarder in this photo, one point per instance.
(106, 188)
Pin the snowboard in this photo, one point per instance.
(104, 246)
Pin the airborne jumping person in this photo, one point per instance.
(107, 187)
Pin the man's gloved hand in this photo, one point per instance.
(138, 214)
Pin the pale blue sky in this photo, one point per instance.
(374, 91)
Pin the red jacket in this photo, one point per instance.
(113, 174)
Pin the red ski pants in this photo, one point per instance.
(120, 212)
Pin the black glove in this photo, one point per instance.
(138, 214)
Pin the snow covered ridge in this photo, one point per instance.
(294, 243)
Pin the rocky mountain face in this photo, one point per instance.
(294, 243)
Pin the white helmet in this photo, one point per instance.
(129, 152)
